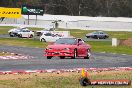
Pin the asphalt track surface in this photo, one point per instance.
(97, 60)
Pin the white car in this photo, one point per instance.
(49, 37)
(44, 31)
(26, 33)
(13, 32)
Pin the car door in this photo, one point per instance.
(81, 49)
(25, 33)
(29, 33)
(49, 37)
(102, 35)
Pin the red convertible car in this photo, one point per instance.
(68, 47)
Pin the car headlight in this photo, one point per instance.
(66, 48)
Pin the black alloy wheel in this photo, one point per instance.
(49, 57)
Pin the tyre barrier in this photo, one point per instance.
(65, 70)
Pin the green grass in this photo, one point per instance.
(113, 34)
(70, 80)
(96, 46)
(35, 29)
(22, 42)
(99, 46)
(4, 29)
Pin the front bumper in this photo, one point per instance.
(67, 53)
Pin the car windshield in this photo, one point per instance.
(70, 41)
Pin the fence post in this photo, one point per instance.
(115, 42)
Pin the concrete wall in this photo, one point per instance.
(80, 24)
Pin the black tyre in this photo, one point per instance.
(104, 37)
(88, 54)
(49, 57)
(85, 81)
(75, 54)
(88, 36)
(31, 36)
(43, 40)
(62, 57)
(11, 34)
(20, 35)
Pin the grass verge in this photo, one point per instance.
(61, 80)
(100, 46)
(113, 34)
(22, 42)
(76, 32)
(97, 46)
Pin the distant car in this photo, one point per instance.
(68, 47)
(49, 37)
(97, 35)
(14, 32)
(44, 31)
(25, 33)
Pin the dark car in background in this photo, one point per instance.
(97, 35)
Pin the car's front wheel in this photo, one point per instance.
(43, 40)
(75, 54)
(62, 57)
(31, 36)
(49, 57)
(88, 54)
(11, 34)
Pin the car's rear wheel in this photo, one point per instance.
(49, 57)
(88, 36)
(31, 36)
(62, 57)
(88, 54)
(75, 54)
(43, 40)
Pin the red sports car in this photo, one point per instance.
(68, 47)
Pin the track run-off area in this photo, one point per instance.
(97, 60)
